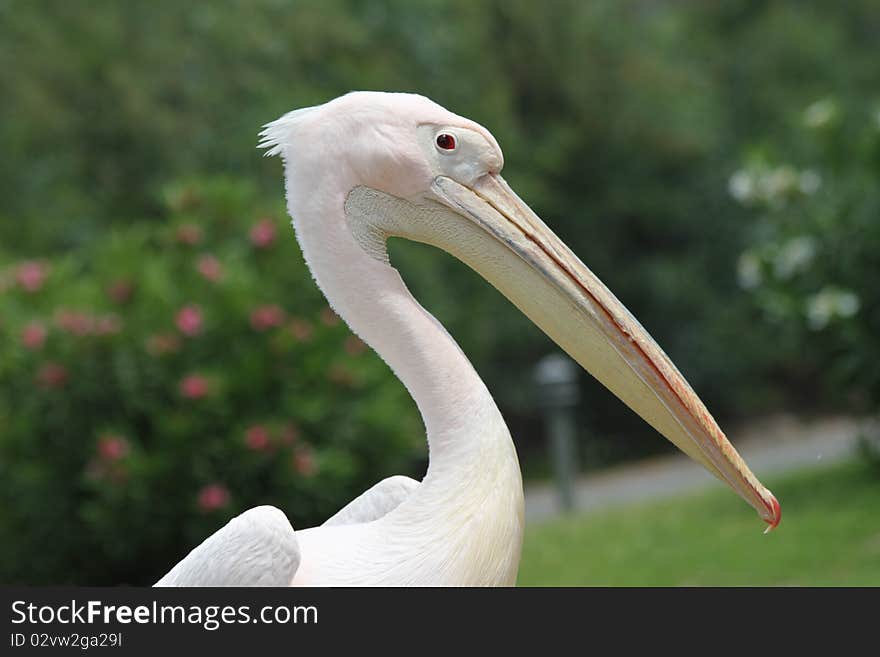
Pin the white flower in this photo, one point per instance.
(779, 182)
(741, 186)
(847, 303)
(820, 113)
(819, 312)
(772, 186)
(794, 256)
(828, 303)
(748, 271)
(809, 181)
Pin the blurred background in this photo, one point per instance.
(166, 361)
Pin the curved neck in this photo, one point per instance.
(461, 419)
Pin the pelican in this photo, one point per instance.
(368, 166)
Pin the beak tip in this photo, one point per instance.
(775, 514)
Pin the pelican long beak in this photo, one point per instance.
(572, 306)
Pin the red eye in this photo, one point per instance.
(445, 141)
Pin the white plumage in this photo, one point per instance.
(257, 548)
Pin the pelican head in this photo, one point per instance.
(405, 167)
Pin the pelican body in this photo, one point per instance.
(368, 166)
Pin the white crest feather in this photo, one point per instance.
(277, 133)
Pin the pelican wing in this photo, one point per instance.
(375, 502)
(257, 548)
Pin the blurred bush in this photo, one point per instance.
(171, 375)
(812, 267)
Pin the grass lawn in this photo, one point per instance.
(829, 535)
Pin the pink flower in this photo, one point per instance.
(162, 343)
(31, 274)
(120, 291)
(354, 346)
(112, 448)
(108, 325)
(33, 336)
(52, 375)
(74, 322)
(213, 497)
(328, 317)
(210, 268)
(189, 234)
(194, 386)
(257, 437)
(304, 461)
(341, 376)
(266, 317)
(189, 320)
(263, 233)
(301, 329)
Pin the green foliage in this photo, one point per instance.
(171, 375)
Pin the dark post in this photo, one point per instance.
(556, 378)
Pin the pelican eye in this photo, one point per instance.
(446, 141)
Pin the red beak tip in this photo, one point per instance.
(775, 514)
